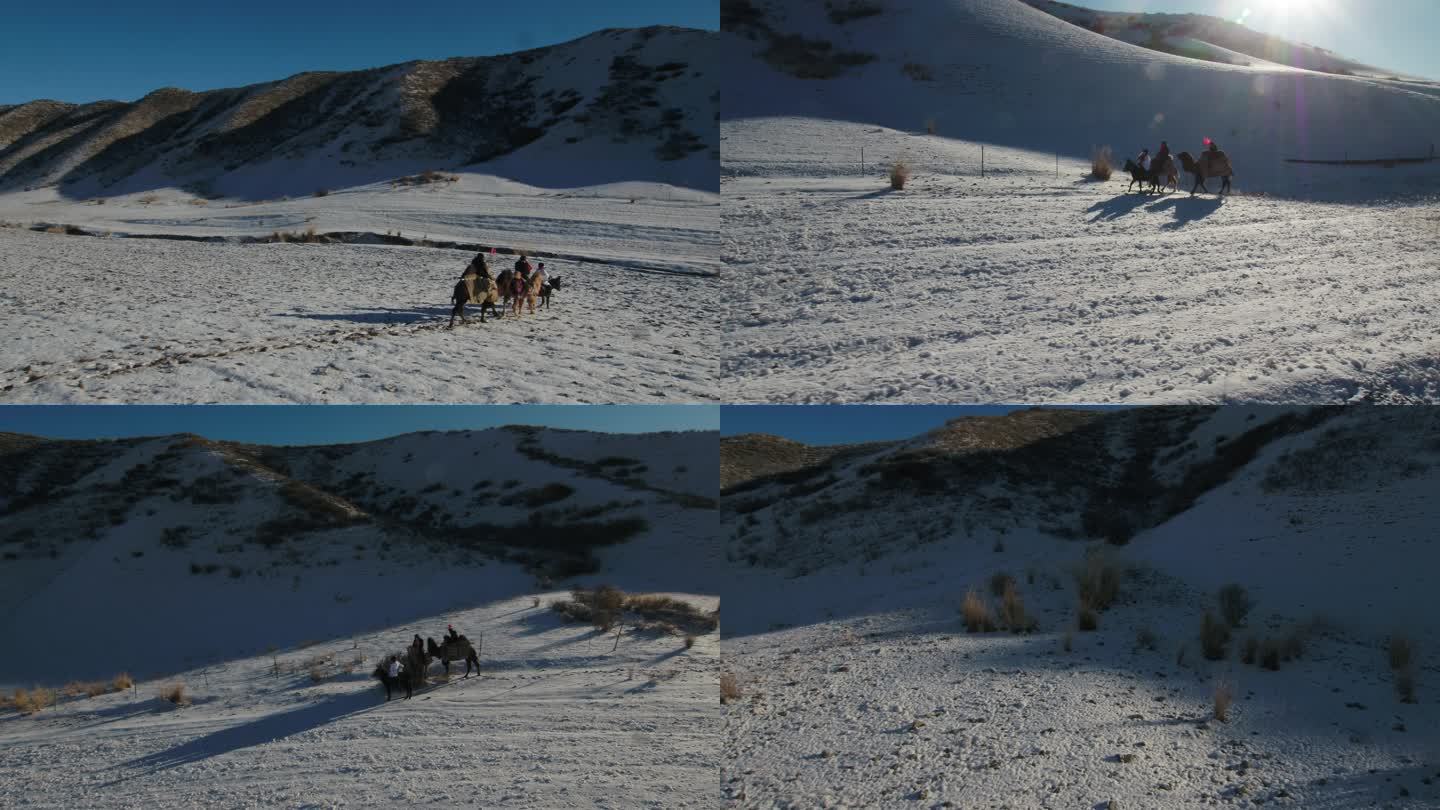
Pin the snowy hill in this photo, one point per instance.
(617, 105)
(270, 581)
(864, 687)
(1202, 36)
(1002, 72)
(1004, 272)
(313, 534)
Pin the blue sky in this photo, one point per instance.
(327, 424)
(1392, 34)
(100, 49)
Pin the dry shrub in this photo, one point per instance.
(975, 612)
(322, 192)
(85, 688)
(689, 640)
(1214, 635)
(1100, 166)
(729, 687)
(1224, 696)
(1270, 654)
(1085, 616)
(930, 126)
(55, 229)
(1012, 611)
(1068, 642)
(1146, 639)
(1405, 685)
(1098, 580)
(175, 693)
(1402, 651)
(123, 681)
(1250, 653)
(317, 674)
(899, 173)
(1234, 603)
(1001, 582)
(30, 701)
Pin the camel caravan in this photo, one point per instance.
(407, 671)
(1160, 172)
(512, 289)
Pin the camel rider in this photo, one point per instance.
(1162, 154)
(540, 273)
(395, 666)
(1217, 164)
(1144, 160)
(450, 634)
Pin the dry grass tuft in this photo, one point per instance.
(1001, 582)
(1402, 651)
(175, 693)
(729, 687)
(975, 612)
(899, 173)
(689, 640)
(1405, 685)
(1224, 696)
(1012, 611)
(123, 681)
(85, 688)
(322, 192)
(1098, 580)
(1085, 616)
(1234, 604)
(30, 701)
(1100, 166)
(1214, 635)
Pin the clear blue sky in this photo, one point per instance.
(329, 424)
(1397, 35)
(102, 49)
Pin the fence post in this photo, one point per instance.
(1057, 165)
(982, 160)
(862, 161)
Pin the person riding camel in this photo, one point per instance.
(1216, 164)
(395, 666)
(1162, 154)
(1144, 160)
(450, 634)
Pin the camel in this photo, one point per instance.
(548, 289)
(475, 287)
(392, 683)
(1141, 176)
(1210, 164)
(455, 649)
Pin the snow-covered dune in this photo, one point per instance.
(862, 686)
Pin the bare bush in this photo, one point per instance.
(123, 681)
(322, 192)
(1085, 616)
(975, 612)
(899, 173)
(1224, 696)
(729, 687)
(1100, 166)
(1000, 582)
(689, 640)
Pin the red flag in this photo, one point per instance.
(492, 251)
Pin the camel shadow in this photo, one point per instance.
(1117, 207)
(373, 316)
(872, 194)
(1186, 210)
(256, 732)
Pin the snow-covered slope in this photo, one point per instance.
(1001, 72)
(861, 687)
(238, 548)
(1002, 272)
(617, 105)
(270, 582)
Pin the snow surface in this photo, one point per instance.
(1035, 284)
(169, 321)
(559, 718)
(861, 687)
